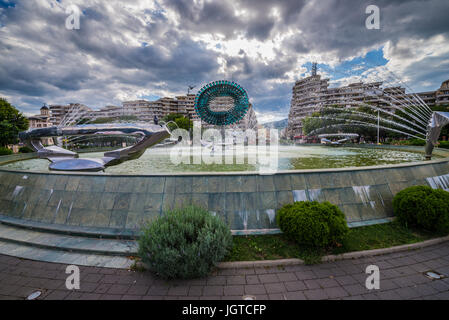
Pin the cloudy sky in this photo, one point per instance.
(143, 49)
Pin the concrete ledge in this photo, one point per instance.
(344, 256)
(376, 252)
(259, 263)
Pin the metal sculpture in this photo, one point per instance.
(437, 122)
(221, 88)
(346, 137)
(64, 160)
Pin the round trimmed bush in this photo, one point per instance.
(313, 223)
(422, 206)
(184, 243)
(25, 149)
(5, 151)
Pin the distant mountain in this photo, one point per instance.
(280, 124)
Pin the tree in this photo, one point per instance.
(11, 123)
(181, 121)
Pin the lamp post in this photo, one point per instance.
(378, 124)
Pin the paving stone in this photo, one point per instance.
(157, 291)
(439, 285)
(196, 290)
(312, 284)
(90, 296)
(295, 285)
(426, 290)
(276, 296)
(345, 280)
(254, 289)
(137, 290)
(336, 292)
(57, 295)
(295, 295)
(370, 296)
(355, 289)
(210, 297)
(234, 290)
(305, 275)
(389, 295)
(92, 277)
(287, 276)
(334, 280)
(252, 279)
(178, 291)
(118, 289)
(85, 286)
(111, 297)
(213, 290)
(217, 280)
(408, 293)
(234, 280)
(103, 288)
(316, 294)
(274, 287)
(268, 278)
(327, 283)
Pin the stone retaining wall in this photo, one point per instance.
(246, 201)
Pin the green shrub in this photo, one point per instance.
(313, 223)
(25, 149)
(444, 144)
(409, 142)
(5, 151)
(184, 243)
(424, 207)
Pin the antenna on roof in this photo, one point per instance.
(314, 68)
(190, 87)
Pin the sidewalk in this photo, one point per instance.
(401, 277)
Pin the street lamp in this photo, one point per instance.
(378, 124)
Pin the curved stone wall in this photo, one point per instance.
(246, 201)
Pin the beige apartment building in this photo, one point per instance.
(185, 105)
(311, 94)
(41, 120)
(68, 114)
(146, 110)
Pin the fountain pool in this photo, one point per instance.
(361, 180)
(157, 160)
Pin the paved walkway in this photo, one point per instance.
(401, 277)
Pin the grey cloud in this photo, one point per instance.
(42, 61)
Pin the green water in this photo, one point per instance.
(157, 160)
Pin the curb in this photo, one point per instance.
(329, 258)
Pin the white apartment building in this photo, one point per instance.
(311, 94)
(146, 110)
(108, 112)
(68, 113)
(41, 120)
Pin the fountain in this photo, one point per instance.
(361, 179)
(65, 160)
(438, 121)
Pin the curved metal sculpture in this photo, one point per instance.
(347, 137)
(65, 160)
(221, 88)
(437, 122)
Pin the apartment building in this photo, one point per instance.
(311, 94)
(67, 114)
(185, 105)
(146, 110)
(108, 112)
(437, 97)
(41, 120)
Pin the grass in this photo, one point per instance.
(271, 247)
